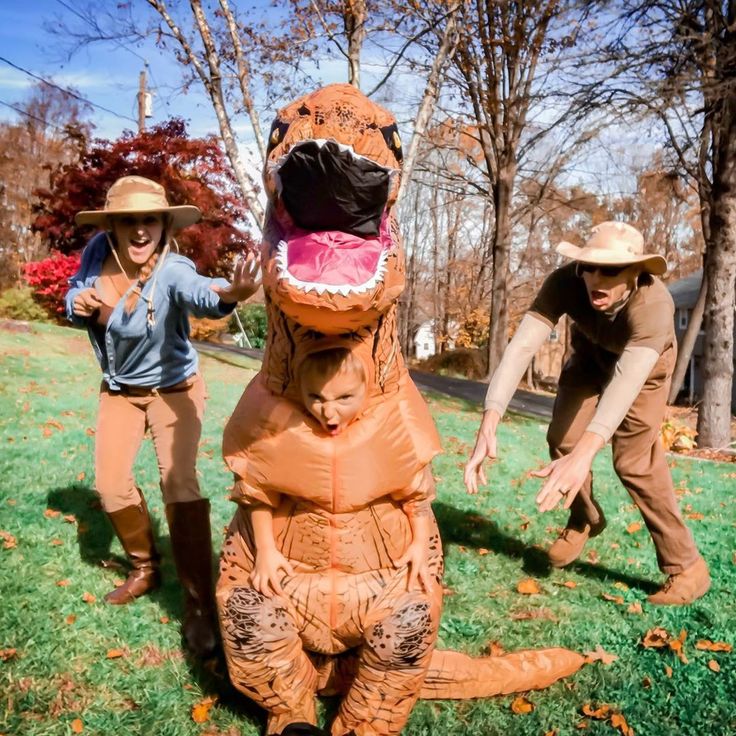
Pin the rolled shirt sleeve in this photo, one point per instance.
(194, 292)
(630, 374)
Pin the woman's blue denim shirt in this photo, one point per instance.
(148, 347)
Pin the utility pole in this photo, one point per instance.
(144, 101)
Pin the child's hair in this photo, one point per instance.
(330, 362)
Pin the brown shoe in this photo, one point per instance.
(191, 543)
(133, 528)
(684, 587)
(569, 545)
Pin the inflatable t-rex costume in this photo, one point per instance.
(333, 271)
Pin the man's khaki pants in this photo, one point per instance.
(638, 455)
(174, 418)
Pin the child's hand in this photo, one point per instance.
(417, 557)
(265, 577)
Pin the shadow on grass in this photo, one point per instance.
(471, 529)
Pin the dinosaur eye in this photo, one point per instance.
(393, 140)
(278, 129)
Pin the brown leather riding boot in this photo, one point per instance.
(133, 528)
(191, 544)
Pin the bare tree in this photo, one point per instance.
(676, 62)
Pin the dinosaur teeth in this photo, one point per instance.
(321, 288)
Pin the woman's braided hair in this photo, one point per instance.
(143, 275)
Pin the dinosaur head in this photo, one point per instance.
(332, 254)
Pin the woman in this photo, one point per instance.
(134, 295)
(614, 385)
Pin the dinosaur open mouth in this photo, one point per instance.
(333, 261)
(337, 200)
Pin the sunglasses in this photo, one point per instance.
(607, 271)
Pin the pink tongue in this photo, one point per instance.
(333, 257)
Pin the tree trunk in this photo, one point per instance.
(714, 417)
(354, 16)
(446, 49)
(688, 342)
(498, 327)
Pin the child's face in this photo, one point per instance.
(335, 401)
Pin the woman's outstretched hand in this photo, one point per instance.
(485, 447)
(245, 282)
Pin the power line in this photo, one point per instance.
(33, 117)
(66, 91)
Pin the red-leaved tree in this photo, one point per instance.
(192, 170)
(49, 279)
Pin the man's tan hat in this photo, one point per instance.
(136, 194)
(614, 244)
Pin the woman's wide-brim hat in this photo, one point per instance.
(614, 244)
(133, 195)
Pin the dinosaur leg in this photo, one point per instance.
(265, 657)
(391, 668)
(453, 675)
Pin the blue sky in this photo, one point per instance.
(105, 75)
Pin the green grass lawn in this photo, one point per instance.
(60, 678)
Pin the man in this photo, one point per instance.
(614, 386)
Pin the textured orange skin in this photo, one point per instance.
(346, 623)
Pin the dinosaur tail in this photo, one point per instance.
(455, 676)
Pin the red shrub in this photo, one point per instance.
(49, 279)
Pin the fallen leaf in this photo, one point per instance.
(70, 619)
(599, 654)
(8, 654)
(90, 432)
(115, 653)
(553, 732)
(528, 586)
(633, 527)
(494, 649)
(70, 518)
(695, 516)
(520, 705)
(656, 638)
(51, 513)
(593, 557)
(713, 646)
(62, 583)
(600, 714)
(9, 541)
(447, 591)
(636, 608)
(81, 476)
(678, 646)
(620, 585)
(88, 598)
(714, 666)
(570, 584)
(164, 619)
(668, 670)
(77, 725)
(613, 598)
(482, 552)
(646, 682)
(619, 722)
(56, 542)
(201, 710)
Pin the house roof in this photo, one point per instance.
(685, 291)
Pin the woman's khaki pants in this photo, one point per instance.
(174, 418)
(638, 455)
